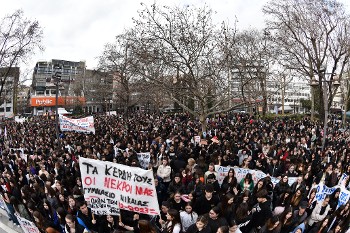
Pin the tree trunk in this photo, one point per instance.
(202, 119)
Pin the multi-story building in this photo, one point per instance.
(22, 102)
(67, 75)
(10, 78)
(289, 94)
(98, 91)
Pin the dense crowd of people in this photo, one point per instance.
(41, 181)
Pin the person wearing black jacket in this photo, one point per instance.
(206, 202)
(261, 213)
(215, 220)
(86, 218)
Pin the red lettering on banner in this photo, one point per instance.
(118, 185)
(145, 192)
(88, 181)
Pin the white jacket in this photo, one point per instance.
(187, 219)
(164, 172)
(316, 216)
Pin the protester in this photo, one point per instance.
(286, 149)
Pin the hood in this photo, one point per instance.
(301, 226)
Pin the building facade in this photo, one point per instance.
(67, 75)
(10, 78)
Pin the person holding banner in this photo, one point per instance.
(86, 218)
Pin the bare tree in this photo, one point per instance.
(179, 50)
(19, 38)
(117, 59)
(313, 37)
(252, 57)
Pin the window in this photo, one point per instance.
(1, 109)
(40, 92)
(47, 92)
(8, 109)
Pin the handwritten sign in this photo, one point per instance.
(144, 159)
(26, 225)
(81, 125)
(197, 139)
(109, 187)
(240, 173)
(322, 191)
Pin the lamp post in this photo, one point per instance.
(335, 82)
(57, 78)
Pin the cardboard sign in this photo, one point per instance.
(144, 159)
(109, 187)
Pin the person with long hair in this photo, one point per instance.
(40, 221)
(227, 206)
(320, 228)
(72, 225)
(230, 179)
(201, 225)
(20, 208)
(280, 187)
(272, 226)
(311, 201)
(247, 183)
(223, 229)
(109, 224)
(188, 217)
(173, 223)
(337, 229)
(286, 220)
(258, 187)
(242, 214)
(176, 201)
(50, 213)
(296, 199)
(144, 226)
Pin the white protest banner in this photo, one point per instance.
(109, 187)
(3, 204)
(26, 225)
(343, 179)
(240, 173)
(21, 154)
(322, 191)
(144, 159)
(111, 113)
(81, 125)
(20, 120)
(343, 196)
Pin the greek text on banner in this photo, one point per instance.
(109, 187)
(81, 125)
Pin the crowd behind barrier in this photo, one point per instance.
(161, 173)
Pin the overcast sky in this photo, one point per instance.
(77, 30)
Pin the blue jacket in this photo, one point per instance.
(301, 226)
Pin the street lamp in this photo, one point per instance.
(57, 79)
(315, 83)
